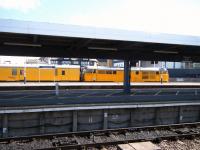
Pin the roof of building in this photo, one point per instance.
(49, 39)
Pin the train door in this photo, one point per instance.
(135, 76)
(63, 75)
(145, 76)
(21, 74)
(94, 75)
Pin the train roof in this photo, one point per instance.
(132, 68)
(39, 66)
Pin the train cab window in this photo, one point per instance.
(63, 72)
(14, 71)
(137, 72)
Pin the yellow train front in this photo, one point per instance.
(105, 74)
(39, 73)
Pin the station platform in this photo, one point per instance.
(97, 97)
(93, 85)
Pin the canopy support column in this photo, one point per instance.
(127, 85)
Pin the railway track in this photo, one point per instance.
(97, 139)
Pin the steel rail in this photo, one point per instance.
(82, 133)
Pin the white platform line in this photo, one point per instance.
(158, 92)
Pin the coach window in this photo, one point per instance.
(137, 72)
(109, 72)
(157, 72)
(63, 72)
(102, 71)
(14, 71)
(114, 72)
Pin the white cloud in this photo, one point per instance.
(20, 5)
(171, 16)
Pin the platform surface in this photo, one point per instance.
(97, 97)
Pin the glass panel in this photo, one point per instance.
(14, 71)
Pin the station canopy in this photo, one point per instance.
(26, 38)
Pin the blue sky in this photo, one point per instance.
(167, 16)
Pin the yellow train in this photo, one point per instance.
(40, 73)
(59, 73)
(100, 74)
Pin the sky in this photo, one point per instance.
(165, 16)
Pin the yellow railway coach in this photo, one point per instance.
(104, 74)
(39, 73)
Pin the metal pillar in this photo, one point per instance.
(127, 86)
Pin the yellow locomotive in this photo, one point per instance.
(137, 74)
(59, 73)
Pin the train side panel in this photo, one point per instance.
(165, 76)
(9, 74)
(68, 74)
(89, 77)
(32, 74)
(119, 76)
(105, 75)
(136, 76)
(46, 74)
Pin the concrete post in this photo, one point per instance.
(5, 126)
(127, 86)
(157, 120)
(57, 89)
(105, 120)
(180, 114)
(42, 122)
(75, 121)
